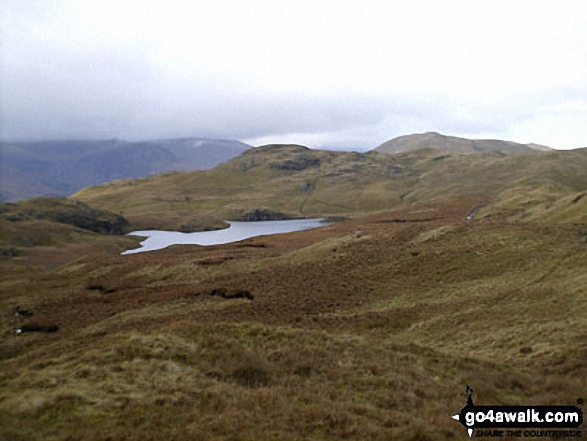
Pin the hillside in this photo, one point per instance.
(63, 167)
(47, 232)
(297, 181)
(64, 211)
(432, 140)
(369, 328)
(365, 330)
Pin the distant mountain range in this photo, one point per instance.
(437, 141)
(60, 168)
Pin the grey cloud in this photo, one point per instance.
(105, 94)
(109, 92)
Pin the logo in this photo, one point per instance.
(545, 421)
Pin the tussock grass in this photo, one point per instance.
(368, 329)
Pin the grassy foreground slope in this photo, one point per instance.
(368, 329)
(303, 182)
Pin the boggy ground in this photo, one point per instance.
(367, 329)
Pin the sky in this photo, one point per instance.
(326, 74)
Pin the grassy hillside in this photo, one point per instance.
(432, 140)
(65, 211)
(369, 329)
(52, 231)
(63, 167)
(304, 182)
(454, 269)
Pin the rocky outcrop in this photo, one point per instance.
(264, 214)
(66, 211)
(299, 162)
(96, 221)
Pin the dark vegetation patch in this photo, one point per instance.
(19, 312)
(251, 376)
(526, 350)
(214, 260)
(11, 216)
(100, 288)
(251, 245)
(231, 294)
(39, 327)
(335, 219)
(579, 197)
(215, 375)
(9, 252)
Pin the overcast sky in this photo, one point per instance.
(348, 74)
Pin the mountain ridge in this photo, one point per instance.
(60, 168)
(299, 182)
(438, 141)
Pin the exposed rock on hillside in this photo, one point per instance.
(66, 211)
(264, 214)
(300, 162)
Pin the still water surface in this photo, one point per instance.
(157, 240)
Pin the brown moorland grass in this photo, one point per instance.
(367, 329)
